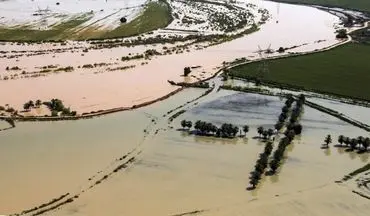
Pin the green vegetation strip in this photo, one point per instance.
(361, 5)
(57, 32)
(156, 15)
(343, 71)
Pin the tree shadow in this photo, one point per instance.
(324, 146)
(8, 128)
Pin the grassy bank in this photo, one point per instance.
(58, 32)
(361, 5)
(340, 71)
(154, 16)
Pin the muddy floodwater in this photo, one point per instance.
(174, 172)
(305, 27)
(140, 162)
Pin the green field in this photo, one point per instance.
(155, 15)
(362, 5)
(341, 71)
(58, 32)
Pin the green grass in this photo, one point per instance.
(343, 71)
(55, 33)
(155, 15)
(362, 5)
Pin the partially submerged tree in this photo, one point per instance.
(328, 140)
(245, 129)
(260, 130)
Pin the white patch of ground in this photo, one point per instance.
(213, 17)
(44, 14)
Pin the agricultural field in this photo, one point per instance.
(80, 20)
(98, 19)
(339, 71)
(362, 5)
(183, 108)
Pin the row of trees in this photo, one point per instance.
(207, 128)
(294, 114)
(361, 143)
(261, 165)
(294, 128)
(30, 104)
(284, 113)
(266, 134)
(55, 106)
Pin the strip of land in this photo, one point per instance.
(154, 16)
(360, 5)
(342, 71)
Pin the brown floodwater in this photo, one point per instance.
(175, 172)
(86, 91)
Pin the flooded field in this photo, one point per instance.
(305, 27)
(141, 162)
(174, 172)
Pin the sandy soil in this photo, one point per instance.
(85, 92)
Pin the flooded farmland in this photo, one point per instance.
(142, 162)
(174, 171)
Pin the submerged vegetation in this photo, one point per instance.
(203, 128)
(56, 106)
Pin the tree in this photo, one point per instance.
(260, 130)
(341, 139)
(366, 143)
(290, 135)
(328, 140)
(279, 125)
(245, 129)
(198, 125)
(274, 164)
(285, 109)
(38, 103)
(360, 140)
(270, 132)
(268, 148)
(265, 134)
(188, 124)
(342, 34)
(347, 141)
(31, 103)
(183, 123)
(297, 129)
(26, 106)
(353, 143)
